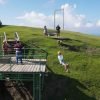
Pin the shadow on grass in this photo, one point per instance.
(65, 39)
(65, 42)
(58, 87)
(71, 48)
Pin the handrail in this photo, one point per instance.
(28, 52)
(5, 37)
(17, 36)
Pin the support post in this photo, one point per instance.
(62, 10)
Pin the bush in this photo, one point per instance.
(0, 23)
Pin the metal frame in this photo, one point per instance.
(58, 10)
(37, 77)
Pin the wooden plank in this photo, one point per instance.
(43, 68)
(5, 67)
(38, 67)
(13, 67)
(23, 68)
(17, 67)
(1, 69)
(27, 68)
(20, 68)
(30, 69)
(35, 68)
(1, 65)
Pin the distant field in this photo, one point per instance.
(81, 51)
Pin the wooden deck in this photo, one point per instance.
(22, 68)
(29, 65)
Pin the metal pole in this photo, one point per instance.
(55, 15)
(33, 87)
(63, 19)
(54, 19)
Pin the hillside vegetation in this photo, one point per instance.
(81, 51)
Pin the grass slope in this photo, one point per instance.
(81, 51)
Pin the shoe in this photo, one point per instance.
(67, 70)
(22, 64)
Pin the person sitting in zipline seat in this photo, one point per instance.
(61, 61)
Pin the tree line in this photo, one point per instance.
(0, 23)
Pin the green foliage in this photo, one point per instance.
(0, 23)
(81, 51)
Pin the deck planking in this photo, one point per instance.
(22, 68)
(29, 65)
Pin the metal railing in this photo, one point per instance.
(36, 78)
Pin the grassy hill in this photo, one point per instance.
(81, 51)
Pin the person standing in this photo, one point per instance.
(58, 30)
(61, 61)
(5, 47)
(45, 31)
(18, 47)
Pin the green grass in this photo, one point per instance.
(81, 51)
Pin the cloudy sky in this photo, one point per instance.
(79, 15)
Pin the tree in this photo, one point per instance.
(0, 23)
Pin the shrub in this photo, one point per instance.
(0, 23)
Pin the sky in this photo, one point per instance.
(79, 15)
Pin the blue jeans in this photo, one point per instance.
(18, 56)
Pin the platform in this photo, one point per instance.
(22, 68)
(29, 65)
